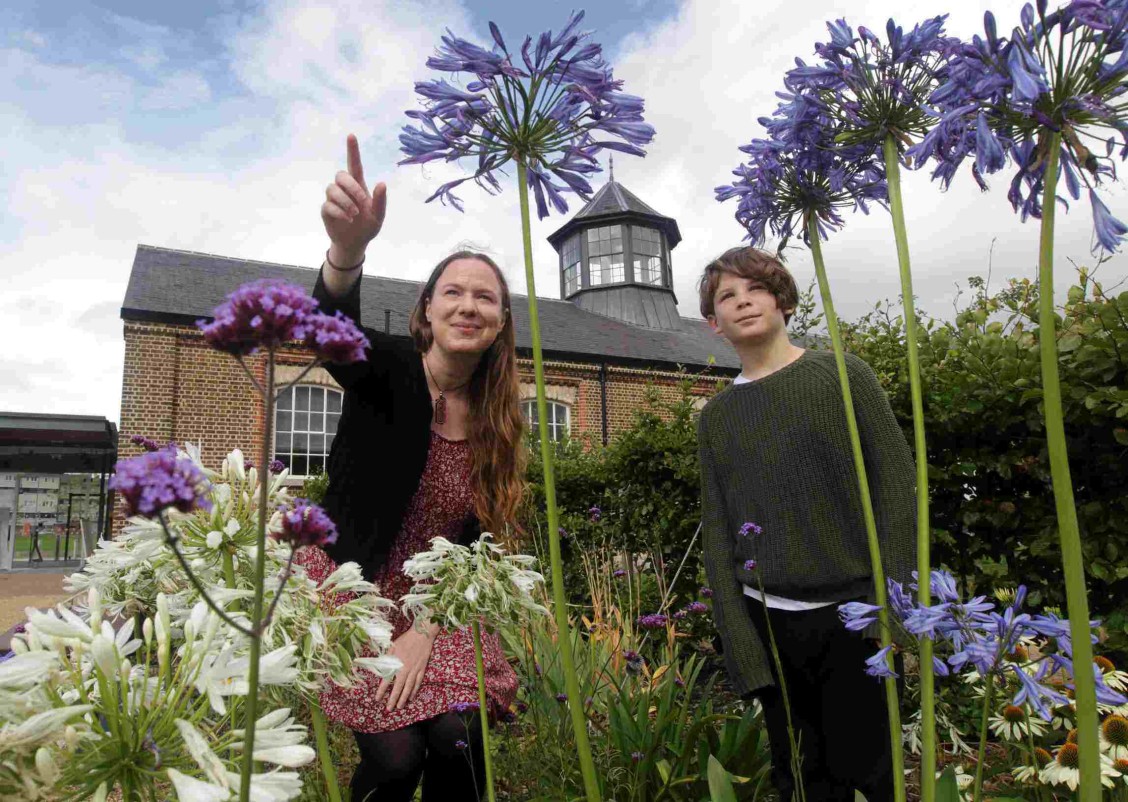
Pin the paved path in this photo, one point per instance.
(22, 589)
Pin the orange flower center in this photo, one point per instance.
(1067, 756)
(1104, 664)
(1115, 730)
(1014, 714)
(1042, 756)
(1071, 738)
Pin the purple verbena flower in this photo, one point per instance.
(562, 698)
(750, 565)
(145, 442)
(157, 481)
(543, 107)
(652, 621)
(637, 757)
(306, 524)
(461, 745)
(679, 615)
(696, 608)
(595, 513)
(706, 593)
(335, 338)
(277, 466)
(618, 572)
(464, 707)
(248, 464)
(259, 314)
(750, 528)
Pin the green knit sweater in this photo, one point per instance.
(776, 452)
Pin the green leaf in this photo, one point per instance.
(947, 789)
(859, 796)
(720, 786)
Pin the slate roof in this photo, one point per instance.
(614, 201)
(167, 285)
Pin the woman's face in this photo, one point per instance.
(465, 309)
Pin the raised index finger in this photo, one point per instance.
(355, 169)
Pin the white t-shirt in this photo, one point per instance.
(778, 602)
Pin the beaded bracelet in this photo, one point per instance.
(343, 269)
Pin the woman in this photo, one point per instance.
(429, 444)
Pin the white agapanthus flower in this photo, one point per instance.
(457, 584)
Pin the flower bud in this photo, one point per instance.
(46, 766)
(105, 656)
(147, 631)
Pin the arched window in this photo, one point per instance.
(305, 423)
(559, 418)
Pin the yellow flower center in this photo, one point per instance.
(1104, 664)
(1067, 756)
(1115, 730)
(1042, 756)
(1014, 714)
(1071, 738)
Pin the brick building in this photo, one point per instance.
(614, 333)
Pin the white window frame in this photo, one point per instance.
(328, 420)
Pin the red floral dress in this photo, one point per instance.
(439, 507)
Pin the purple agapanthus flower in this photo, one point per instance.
(652, 621)
(877, 667)
(1002, 98)
(857, 615)
(306, 524)
(874, 88)
(543, 105)
(157, 481)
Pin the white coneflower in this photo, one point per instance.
(1114, 737)
(1112, 676)
(1014, 724)
(1028, 773)
(1064, 769)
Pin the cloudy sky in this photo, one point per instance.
(215, 125)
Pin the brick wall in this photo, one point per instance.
(177, 388)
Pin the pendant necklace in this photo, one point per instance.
(440, 402)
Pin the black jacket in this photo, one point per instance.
(381, 445)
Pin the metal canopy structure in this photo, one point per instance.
(32, 443)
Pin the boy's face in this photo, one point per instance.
(745, 312)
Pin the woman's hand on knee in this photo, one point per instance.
(413, 648)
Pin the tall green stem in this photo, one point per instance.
(560, 601)
(1071, 557)
(981, 758)
(320, 733)
(251, 712)
(924, 530)
(892, 703)
(483, 716)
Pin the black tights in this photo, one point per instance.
(446, 751)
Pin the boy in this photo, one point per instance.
(780, 506)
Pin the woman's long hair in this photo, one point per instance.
(496, 428)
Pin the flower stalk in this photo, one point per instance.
(324, 753)
(920, 449)
(1075, 595)
(483, 716)
(892, 702)
(560, 601)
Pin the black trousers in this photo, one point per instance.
(838, 711)
(445, 751)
